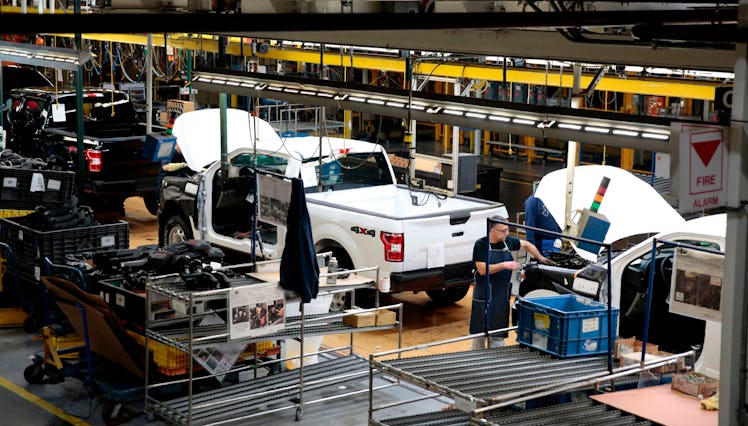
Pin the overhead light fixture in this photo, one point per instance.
(659, 136)
(523, 121)
(51, 57)
(594, 129)
(633, 132)
(621, 132)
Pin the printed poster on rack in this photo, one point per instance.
(696, 284)
(219, 359)
(274, 200)
(256, 310)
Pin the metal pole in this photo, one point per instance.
(733, 358)
(572, 148)
(222, 102)
(80, 176)
(149, 85)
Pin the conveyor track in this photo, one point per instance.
(579, 413)
(490, 374)
(257, 396)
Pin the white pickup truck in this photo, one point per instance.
(424, 241)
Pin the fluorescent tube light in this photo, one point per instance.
(594, 129)
(375, 101)
(523, 121)
(499, 118)
(569, 126)
(621, 132)
(475, 115)
(659, 136)
(356, 99)
(395, 104)
(452, 112)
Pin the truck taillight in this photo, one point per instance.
(93, 158)
(393, 246)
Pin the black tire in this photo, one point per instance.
(34, 374)
(151, 203)
(176, 229)
(448, 296)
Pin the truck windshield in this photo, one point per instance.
(346, 172)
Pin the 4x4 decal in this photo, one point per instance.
(360, 230)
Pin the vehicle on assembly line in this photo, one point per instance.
(576, 272)
(42, 123)
(358, 212)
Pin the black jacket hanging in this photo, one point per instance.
(299, 270)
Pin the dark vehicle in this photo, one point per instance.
(43, 124)
(15, 77)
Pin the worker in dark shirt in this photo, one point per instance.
(499, 267)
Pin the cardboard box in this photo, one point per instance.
(179, 106)
(365, 319)
(631, 344)
(695, 384)
(385, 317)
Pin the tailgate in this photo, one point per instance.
(432, 242)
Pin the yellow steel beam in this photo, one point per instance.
(35, 10)
(689, 89)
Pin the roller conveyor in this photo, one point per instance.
(585, 412)
(486, 375)
(256, 396)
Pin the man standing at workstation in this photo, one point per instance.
(501, 263)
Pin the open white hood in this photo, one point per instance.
(631, 205)
(199, 134)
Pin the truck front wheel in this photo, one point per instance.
(176, 229)
(448, 296)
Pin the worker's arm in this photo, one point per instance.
(534, 252)
(495, 267)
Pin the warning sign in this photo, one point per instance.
(703, 147)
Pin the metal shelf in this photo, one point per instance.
(250, 397)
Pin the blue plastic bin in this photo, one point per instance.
(565, 326)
